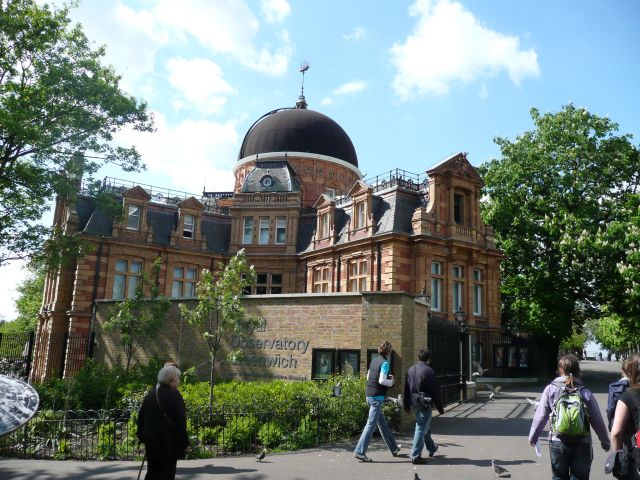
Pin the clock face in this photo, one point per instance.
(18, 403)
(266, 181)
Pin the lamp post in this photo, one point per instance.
(462, 329)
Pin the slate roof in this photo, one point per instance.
(218, 233)
(281, 178)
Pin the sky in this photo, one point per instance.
(411, 83)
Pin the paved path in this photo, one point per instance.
(469, 435)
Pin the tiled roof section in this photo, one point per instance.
(341, 217)
(84, 208)
(218, 233)
(162, 224)
(393, 210)
(271, 177)
(306, 228)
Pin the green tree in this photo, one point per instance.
(57, 100)
(218, 312)
(139, 318)
(555, 189)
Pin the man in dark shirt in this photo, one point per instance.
(421, 382)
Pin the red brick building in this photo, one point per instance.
(309, 223)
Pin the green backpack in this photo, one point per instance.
(569, 415)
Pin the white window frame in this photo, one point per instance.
(264, 229)
(361, 214)
(281, 230)
(131, 215)
(183, 284)
(358, 275)
(188, 227)
(436, 294)
(125, 281)
(247, 230)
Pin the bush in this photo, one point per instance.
(238, 434)
(271, 434)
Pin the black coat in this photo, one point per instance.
(163, 438)
(422, 378)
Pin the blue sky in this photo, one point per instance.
(410, 82)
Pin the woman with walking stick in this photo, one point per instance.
(162, 426)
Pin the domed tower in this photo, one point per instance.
(316, 150)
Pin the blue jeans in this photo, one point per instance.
(570, 461)
(375, 418)
(422, 434)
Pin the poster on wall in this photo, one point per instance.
(513, 356)
(349, 362)
(322, 363)
(523, 357)
(498, 356)
(373, 353)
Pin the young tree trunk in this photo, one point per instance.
(211, 370)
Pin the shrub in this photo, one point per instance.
(271, 434)
(106, 441)
(238, 434)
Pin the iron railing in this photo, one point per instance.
(111, 434)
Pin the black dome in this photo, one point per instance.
(298, 130)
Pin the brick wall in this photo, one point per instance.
(293, 325)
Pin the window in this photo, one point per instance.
(281, 230)
(133, 217)
(436, 286)
(360, 214)
(321, 280)
(358, 276)
(457, 287)
(349, 362)
(477, 292)
(267, 283)
(458, 208)
(330, 192)
(263, 238)
(322, 363)
(188, 225)
(125, 281)
(184, 282)
(247, 232)
(323, 226)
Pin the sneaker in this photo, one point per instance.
(418, 461)
(397, 450)
(362, 458)
(431, 454)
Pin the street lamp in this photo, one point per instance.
(462, 329)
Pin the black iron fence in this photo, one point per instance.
(449, 348)
(111, 434)
(59, 354)
(501, 355)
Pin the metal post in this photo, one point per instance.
(63, 353)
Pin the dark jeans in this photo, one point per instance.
(570, 461)
(161, 468)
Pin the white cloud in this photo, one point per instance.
(484, 92)
(200, 81)
(326, 101)
(356, 34)
(224, 26)
(204, 150)
(275, 11)
(449, 45)
(350, 87)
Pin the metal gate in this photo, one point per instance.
(450, 350)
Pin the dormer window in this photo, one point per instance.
(323, 226)
(361, 209)
(133, 217)
(188, 226)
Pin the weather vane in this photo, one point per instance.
(302, 102)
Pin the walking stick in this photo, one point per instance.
(141, 465)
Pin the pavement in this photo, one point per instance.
(469, 435)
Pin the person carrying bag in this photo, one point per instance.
(162, 426)
(625, 432)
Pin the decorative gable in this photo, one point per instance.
(136, 193)
(457, 165)
(191, 203)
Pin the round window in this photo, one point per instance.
(266, 181)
